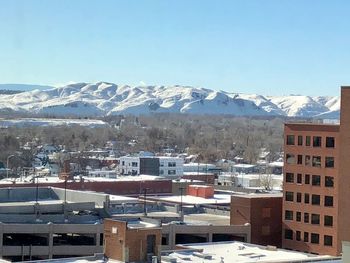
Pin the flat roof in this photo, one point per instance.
(238, 252)
(193, 200)
(258, 195)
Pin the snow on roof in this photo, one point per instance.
(239, 252)
(244, 165)
(192, 200)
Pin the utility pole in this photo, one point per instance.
(145, 201)
(181, 204)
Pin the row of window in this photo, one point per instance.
(315, 179)
(314, 237)
(316, 141)
(314, 220)
(315, 199)
(170, 164)
(314, 161)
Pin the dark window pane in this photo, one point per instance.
(316, 141)
(288, 234)
(289, 177)
(290, 139)
(316, 180)
(300, 140)
(315, 238)
(315, 199)
(308, 140)
(328, 220)
(299, 178)
(307, 179)
(329, 162)
(306, 198)
(288, 215)
(315, 219)
(328, 240)
(328, 200)
(298, 235)
(306, 237)
(300, 159)
(299, 197)
(330, 142)
(298, 216)
(289, 196)
(306, 218)
(329, 181)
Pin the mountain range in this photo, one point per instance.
(102, 98)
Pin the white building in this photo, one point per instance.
(129, 165)
(173, 166)
(151, 165)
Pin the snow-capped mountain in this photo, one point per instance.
(102, 98)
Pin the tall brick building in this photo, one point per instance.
(316, 188)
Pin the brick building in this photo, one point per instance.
(263, 212)
(133, 240)
(316, 204)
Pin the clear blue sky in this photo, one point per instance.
(269, 47)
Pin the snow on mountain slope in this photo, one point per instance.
(102, 98)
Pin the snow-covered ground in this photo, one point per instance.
(102, 98)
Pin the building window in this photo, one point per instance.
(315, 219)
(288, 215)
(308, 141)
(328, 220)
(328, 200)
(316, 161)
(306, 198)
(171, 164)
(329, 162)
(315, 199)
(307, 179)
(299, 179)
(134, 164)
(161, 171)
(300, 140)
(298, 217)
(316, 180)
(306, 236)
(289, 196)
(290, 158)
(288, 234)
(290, 139)
(300, 159)
(329, 181)
(289, 177)
(171, 172)
(298, 197)
(328, 240)
(315, 238)
(330, 142)
(317, 141)
(307, 160)
(298, 235)
(306, 218)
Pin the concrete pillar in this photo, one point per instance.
(210, 237)
(51, 240)
(98, 238)
(1, 238)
